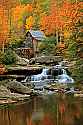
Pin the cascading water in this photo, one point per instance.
(41, 76)
(64, 78)
(41, 79)
(45, 78)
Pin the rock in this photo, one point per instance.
(18, 87)
(78, 95)
(4, 91)
(46, 60)
(21, 61)
(24, 70)
(17, 77)
(56, 72)
(7, 97)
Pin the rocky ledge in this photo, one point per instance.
(12, 91)
(23, 70)
(46, 60)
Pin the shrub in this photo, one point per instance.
(46, 48)
(1, 57)
(9, 57)
(50, 40)
(47, 45)
(77, 71)
(15, 42)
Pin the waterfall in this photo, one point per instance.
(64, 78)
(64, 71)
(45, 71)
(41, 76)
(44, 77)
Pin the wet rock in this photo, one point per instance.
(56, 72)
(38, 88)
(49, 88)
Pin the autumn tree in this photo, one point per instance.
(61, 19)
(5, 11)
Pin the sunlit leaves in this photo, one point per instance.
(29, 23)
(60, 17)
(3, 26)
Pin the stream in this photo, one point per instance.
(47, 108)
(55, 74)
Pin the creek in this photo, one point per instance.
(44, 110)
(55, 74)
(48, 107)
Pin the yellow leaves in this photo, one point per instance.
(67, 34)
(29, 22)
(19, 10)
(17, 15)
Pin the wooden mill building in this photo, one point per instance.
(29, 47)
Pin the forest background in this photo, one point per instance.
(60, 20)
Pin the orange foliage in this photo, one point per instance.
(28, 8)
(61, 17)
(18, 12)
(4, 29)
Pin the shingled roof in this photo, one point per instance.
(37, 34)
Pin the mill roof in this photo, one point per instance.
(37, 34)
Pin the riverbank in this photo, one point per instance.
(13, 92)
(15, 84)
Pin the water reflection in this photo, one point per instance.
(47, 110)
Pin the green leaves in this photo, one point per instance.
(50, 40)
(25, 1)
(9, 57)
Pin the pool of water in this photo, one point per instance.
(44, 110)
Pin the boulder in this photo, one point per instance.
(18, 87)
(21, 61)
(4, 91)
(46, 60)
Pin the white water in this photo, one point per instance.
(43, 78)
(64, 78)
